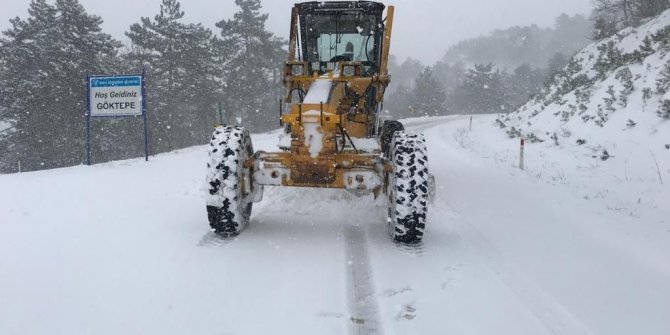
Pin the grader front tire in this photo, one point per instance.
(228, 208)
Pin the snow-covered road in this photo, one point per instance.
(124, 248)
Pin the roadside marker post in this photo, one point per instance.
(523, 144)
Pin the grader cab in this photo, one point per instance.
(335, 78)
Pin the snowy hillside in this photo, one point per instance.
(125, 248)
(610, 106)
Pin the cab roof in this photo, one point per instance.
(340, 7)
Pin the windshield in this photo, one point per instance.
(350, 47)
(336, 38)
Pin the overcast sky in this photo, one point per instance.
(423, 29)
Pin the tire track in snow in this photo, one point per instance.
(546, 309)
(361, 295)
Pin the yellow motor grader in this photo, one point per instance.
(335, 78)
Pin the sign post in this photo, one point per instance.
(144, 114)
(115, 96)
(88, 119)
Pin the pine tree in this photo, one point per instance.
(523, 83)
(625, 77)
(404, 74)
(429, 95)
(251, 68)
(570, 35)
(182, 80)
(400, 102)
(482, 91)
(451, 75)
(612, 15)
(643, 9)
(603, 28)
(609, 58)
(44, 62)
(557, 62)
(663, 80)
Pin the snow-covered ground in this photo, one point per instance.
(564, 247)
(4, 126)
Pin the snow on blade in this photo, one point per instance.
(318, 92)
(284, 141)
(366, 144)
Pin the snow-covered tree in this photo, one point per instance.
(522, 84)
(451, 75)
(251, 67)
(642, 9)
(400, 102)
(44, 60)
(611, 15)
(482, 92)
(405, 73)
(604, 27)
(429, 95)
(556, 63)
(182, 78)
(400, 95)
(609, 58)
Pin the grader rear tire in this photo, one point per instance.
(389, 127)
(408, 194)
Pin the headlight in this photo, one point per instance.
(349, 71)
(297, 70)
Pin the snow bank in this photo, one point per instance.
(606, 108)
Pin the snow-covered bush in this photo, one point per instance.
(664, 112)
(609, 58)
(610, 99)
(663, 81)
(645, 50)
(662, 37)
(625, 76)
